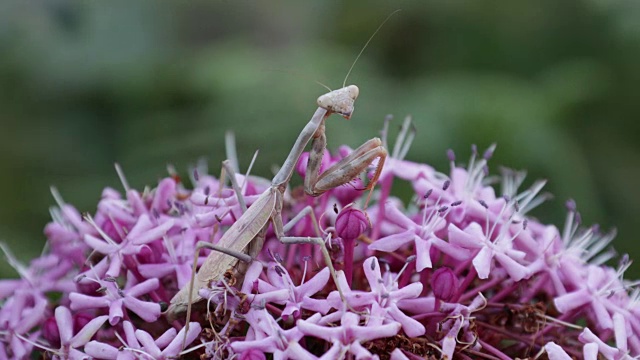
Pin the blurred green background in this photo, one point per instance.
(85, 84)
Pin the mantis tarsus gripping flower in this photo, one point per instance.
(460, 271)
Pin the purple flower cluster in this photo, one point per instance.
(461, 270)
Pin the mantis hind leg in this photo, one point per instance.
(230, 168)
(199, 246)
(240, 255)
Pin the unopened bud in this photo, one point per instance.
(444, 284)
(80, 320)
(50, 332)
(252, 354)
(351, 223)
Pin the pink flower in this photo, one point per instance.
(348, 336)
(461, 270)
(117, 299)
(486, 249)
(70, 343)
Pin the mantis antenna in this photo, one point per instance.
(344, 83)
(302, 75)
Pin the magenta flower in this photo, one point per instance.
(252, 354)
(351, 223)
(270, 337)
(620, 351)
(19, 315)
(143, 232)
(597, 291)
(461, 270)
(457, 325)
(423, 236)
(70, 344)
(117, 299)
(128, 350)
(48, 273)
(487, 249)
(169, 344)
(166, 346)
(299, 297)
(349, 335)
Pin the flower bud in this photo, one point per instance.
(351, 223)
(50, 332)
(252, 354)
(80, 320)
(444, 284)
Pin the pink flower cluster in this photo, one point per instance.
(461, 270)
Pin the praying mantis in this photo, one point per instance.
(249, 230)
(243, 241)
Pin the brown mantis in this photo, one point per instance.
(249, 230)
(245, 238)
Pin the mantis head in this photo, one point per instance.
(340, 101)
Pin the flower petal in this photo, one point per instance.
(573, 300)
(392, 242)
(101, 350)
(174, 348)
(423, 253)
(555, 352)
(83, 336)
(482, 262)
(411, 327)
(148, 311)
(65, 324)
(315, 284)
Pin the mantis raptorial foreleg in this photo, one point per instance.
(346, 169)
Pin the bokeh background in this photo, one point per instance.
(84, 84)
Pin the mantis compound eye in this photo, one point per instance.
(353, 91)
